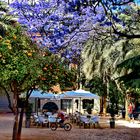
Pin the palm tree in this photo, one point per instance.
(102, 61)
(129, 71)
(103, 54)
(95, 64)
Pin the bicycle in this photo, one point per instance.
(55, 125)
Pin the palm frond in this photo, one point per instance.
(131, 80)
(3, 7)
(131, 63)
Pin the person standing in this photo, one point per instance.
(130, 112)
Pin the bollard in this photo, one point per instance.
(112, 122)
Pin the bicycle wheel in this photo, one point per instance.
(67, 126)
(53, 126)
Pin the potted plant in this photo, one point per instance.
(112, 119)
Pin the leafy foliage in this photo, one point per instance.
(131, 78)
(128, 69)
(64, 26)
(115, 96)
(22, 61)
(96, 85)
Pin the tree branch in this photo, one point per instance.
(129, 36)
(122, 3)
(8, 98)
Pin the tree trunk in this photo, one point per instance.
(20, 123)
(101, 105)
(25, 104)
(27, 121)
(15, 127)
(126, 107)
(104, 104)
(15, 109)
(106, 80)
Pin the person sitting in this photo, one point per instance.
(62, 117)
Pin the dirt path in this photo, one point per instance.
(34, 133)
(82, 134)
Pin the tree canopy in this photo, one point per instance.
(64, 26)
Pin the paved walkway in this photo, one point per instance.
(119, 122)
(135, 124)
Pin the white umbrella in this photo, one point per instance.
(39, 94)
(79, 94)
(82, 94)
(42, 95)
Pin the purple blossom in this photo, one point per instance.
(65, 24)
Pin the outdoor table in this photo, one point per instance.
(89, 120)
(94, 120)
(85, 121)
(42, 120)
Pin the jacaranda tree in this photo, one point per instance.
(67, 24)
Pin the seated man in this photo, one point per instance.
(62, 117)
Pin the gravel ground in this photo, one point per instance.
(121, 132)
